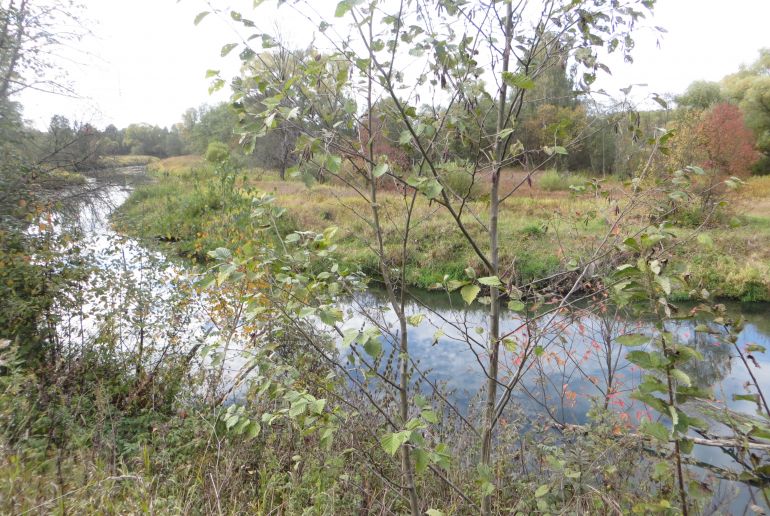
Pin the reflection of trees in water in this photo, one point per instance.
(716, 364)
(756, 314)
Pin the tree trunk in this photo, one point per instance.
(494, 308)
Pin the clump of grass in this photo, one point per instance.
(534, 230)
(60, 178)
(553, 181)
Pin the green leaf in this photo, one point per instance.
(664, 283)
(330, 316)
(317, 406)
(681, 377)
(221, 254)
(231, 421)
(686, 446)
(333, 163)
(651, 384)
(746, 397)
(674, 415)
(518, 80)
(434, 512)
(349, 336)
(646, 360)
(380, 170)
(225, 273)
(405, 137)
(253, 430)
(542, 491)
(656, 430)
(560, 150)
(431, 188)
(415, 320)
(572, 474)
(491, 281)
(421, 460)
(469, 293)
(373, 347)
(633, 340)
(429, 416)
(297, 408)
(516, 305)
(342, 8)
(228, 48)
(392, 442)
(653, 401)
(685, 353)
(453, 285)
(200, 17)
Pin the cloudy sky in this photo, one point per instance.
(145, 60)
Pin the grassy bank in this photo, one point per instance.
(542, 229)
(126, 161)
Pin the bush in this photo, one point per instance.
(552, 181)
(761, 167)
(217, 152)
(534, 229)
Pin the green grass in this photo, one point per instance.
(126, 161)
(553, 181)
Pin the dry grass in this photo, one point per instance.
(540, 231)
(127, 161)
(754, 197)
(177, 164)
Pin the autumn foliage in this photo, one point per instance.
(729, 145)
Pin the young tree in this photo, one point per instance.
(472, 66)
(31, 35)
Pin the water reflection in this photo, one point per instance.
(578, 362)
(581, 363)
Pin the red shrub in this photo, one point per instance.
(729, 143)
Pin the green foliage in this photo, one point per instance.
(701, 95)
(750, 88)
(217, 152)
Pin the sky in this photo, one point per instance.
(145, 60)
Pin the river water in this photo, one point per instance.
(447, 343)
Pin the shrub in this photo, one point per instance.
(534, 229)
(217, 152)
(761, 167)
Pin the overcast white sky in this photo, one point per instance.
(146, 60)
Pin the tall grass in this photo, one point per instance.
(553, 181)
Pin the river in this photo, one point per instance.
(446, 344)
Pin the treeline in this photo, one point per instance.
(723, 126)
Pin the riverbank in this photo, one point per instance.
(543, 232)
